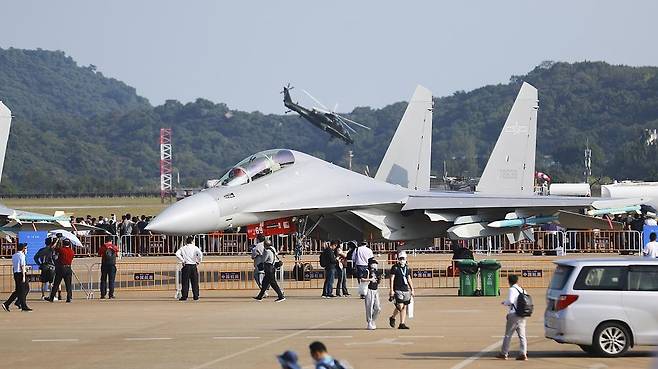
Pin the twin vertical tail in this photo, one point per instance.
(5, 124)
(511, 166)
(407, 159)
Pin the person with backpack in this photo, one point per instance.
(257, 255)
(328, 262)
(271, 264)
(322, 358)
(108, 253)
(520, 308)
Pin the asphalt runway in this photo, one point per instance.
(228, 329)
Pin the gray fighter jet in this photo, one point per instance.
(397, 204)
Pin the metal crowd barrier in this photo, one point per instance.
(239, 275)
(236, 244)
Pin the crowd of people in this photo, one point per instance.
(127, 225)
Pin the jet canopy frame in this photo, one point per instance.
(256, 166)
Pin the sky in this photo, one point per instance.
(345, 52)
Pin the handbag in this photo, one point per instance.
(363, 288)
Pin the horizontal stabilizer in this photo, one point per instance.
(578, 221)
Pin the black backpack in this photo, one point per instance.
(324, 259)
(110, 257)
(335, 365)
(524, 306)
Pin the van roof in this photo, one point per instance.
(618, 260)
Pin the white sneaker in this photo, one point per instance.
(372, 326)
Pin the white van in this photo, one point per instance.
(604, 305)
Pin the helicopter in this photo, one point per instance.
(331, 122)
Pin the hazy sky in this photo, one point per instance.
(352, 52)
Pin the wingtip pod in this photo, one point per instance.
(402, 165)
(5, 125)
(511, 166)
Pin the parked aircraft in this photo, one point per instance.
(11, 220)
(397, 204)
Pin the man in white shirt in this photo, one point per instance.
(190, 256)
(21, 286)
(515, 323)
(650, 250)
(360, 258)
(257, 255)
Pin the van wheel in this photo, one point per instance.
(588, 349)
(611, 340)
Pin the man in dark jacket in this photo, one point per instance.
(108, 253)
(44, 258)
(328, 262)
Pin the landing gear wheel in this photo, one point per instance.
(611, 340)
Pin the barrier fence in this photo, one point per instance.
(236, 244)
(239, 275)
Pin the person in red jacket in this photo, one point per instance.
(108, 253)
(63, 270)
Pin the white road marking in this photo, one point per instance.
(57, 340)
(472, 359)
(325, 337)
(236, 338)
(148, 339)
(514, 336)
(421, 336)
(265, 344)
(383, 341)
(459, 311)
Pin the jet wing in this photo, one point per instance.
(449, 201)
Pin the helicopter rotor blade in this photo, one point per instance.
(353, 122)
(316, 100)
(344, 123)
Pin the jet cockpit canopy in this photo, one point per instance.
(257, 166)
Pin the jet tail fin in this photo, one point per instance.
(511, 166)
(407, 159)
(5, 124)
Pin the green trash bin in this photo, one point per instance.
(468, 277)
(490, 277)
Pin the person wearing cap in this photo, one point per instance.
(288, 360)
(21, 286)
(373, 306)
(63, 261)
(401, 290)
(360, 258)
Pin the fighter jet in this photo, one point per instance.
(396, 204)
(331, 122)
(11, 220)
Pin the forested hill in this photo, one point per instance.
(76, 130)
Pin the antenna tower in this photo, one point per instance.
(166, 167)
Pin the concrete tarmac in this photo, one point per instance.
(228, 329)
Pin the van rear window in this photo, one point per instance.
(560, 277)
(602, 278)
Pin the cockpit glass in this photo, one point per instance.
(257, 166)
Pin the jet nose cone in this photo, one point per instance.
(196, 214)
